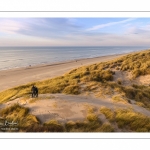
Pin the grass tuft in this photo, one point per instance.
(72, 89)
(92, 117)
(118, 98)
(106, 127)
(19, 114)
(108, 113)
(132, 120)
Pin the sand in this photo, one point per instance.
(15, 77)
(64, 108)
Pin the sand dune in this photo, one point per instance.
(63, 107)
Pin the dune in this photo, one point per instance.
(63, 107)
(112, 96)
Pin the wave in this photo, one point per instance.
(10, 60)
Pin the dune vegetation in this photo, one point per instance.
(124, 119)
(127, 119)
(29, 123)
(19, 115)
(96, 79)
(93, 78)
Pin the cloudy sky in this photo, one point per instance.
(74, 31)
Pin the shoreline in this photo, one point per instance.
(59, 62)
(64, 61)
(19, 76)
(56, 63)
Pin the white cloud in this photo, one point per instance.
(109, 24)
(65, 32)
(11, 27)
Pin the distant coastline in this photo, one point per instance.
(21, 57)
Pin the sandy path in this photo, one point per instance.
(15, 77)
(63, 107)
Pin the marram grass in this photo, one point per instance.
(20, 115)
(128, 119)
(93, 77)
(125, 119)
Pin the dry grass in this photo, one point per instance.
(104, 91)
(137, 63)
(96, 78)
(131, 120)
(106, 127)
(92, 124)
(82, 126)
(127, 119)
(72, 89)
(135, 92)
(108, 113)
(140, 104)
(92, 117)
(54, 126)
(90, 108)
(69, 83)
(91, 113)
(92, 86)
(19, 114)
(118, 98)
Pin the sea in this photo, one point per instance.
(16, 57)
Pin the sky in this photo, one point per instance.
(74, 31)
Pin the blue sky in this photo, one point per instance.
(74, 31)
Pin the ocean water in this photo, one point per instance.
(15, 57)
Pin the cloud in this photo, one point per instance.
(141, 32)
(109, 24)
(50, 28)
(10, 26)
(69, 32)
(40, 27)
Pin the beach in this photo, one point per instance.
(15, 77)
(70, 100)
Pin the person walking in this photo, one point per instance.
(34, 91)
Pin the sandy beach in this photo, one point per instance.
(14, 77)
(64, 107)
